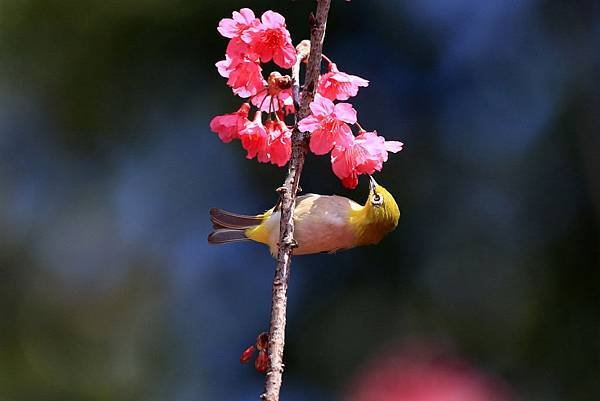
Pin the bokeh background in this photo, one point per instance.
(109, 291)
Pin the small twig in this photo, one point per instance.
(288, 201)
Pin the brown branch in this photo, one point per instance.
(288, 201)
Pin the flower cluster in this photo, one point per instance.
(254, 41)
(350, 155)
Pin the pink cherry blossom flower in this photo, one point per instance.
(328, 124)
(225, 66)
(365, 155)
(245, 76)
(271, 40)
(237, 50)
(271, 142)
(339, 85)
(254, 139)
(228, 126)
(234, 27)
(422, 375)
(280, 142)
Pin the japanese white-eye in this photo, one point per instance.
(322, 223)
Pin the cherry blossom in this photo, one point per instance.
(365, 155)
(245, 76)
(328, 124)
(279, 146)
(271, 40)
(422, 375)
(271, 142)
(228, 126)
(234, 27)
(254, 41)
(254, 139)
(339, 85)
(238, 50)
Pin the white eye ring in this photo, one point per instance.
(377, 199)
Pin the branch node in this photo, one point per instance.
(312, 20)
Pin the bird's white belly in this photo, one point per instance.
(318, 232)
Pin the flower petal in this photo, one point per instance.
(393, 146)
(345, 112)
(321, 142)
(321, 106)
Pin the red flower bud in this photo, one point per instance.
(262, 341)
(262, 362)
(247, 354)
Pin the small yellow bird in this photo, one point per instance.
(322, 223)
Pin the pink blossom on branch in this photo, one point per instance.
(271, 142)
(365, 155)
(228, 126)
(339, 85)
(252, 42)
(421, 374)
(328, 124)
(234, 27)
(254, 139)
(279, 146)
(271, 40)
(245, 76)
(238, 50)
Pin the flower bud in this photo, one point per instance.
(262, 362)
(262, 341)
(247, 354)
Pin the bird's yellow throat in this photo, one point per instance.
(378, 216)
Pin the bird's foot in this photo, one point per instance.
(291, 243)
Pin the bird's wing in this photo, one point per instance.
(304, 197)
(224, 219)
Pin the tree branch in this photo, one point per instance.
(288, 201)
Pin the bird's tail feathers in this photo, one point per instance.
(223, 219)
(230, 227)
(226, 235)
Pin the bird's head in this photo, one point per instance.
(379, 215)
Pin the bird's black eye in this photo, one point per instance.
(377, 199)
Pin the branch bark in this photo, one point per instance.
(288, 200)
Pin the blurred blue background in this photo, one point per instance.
(109, 291)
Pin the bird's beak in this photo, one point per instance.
(372, 183)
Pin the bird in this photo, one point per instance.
(322, 223)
